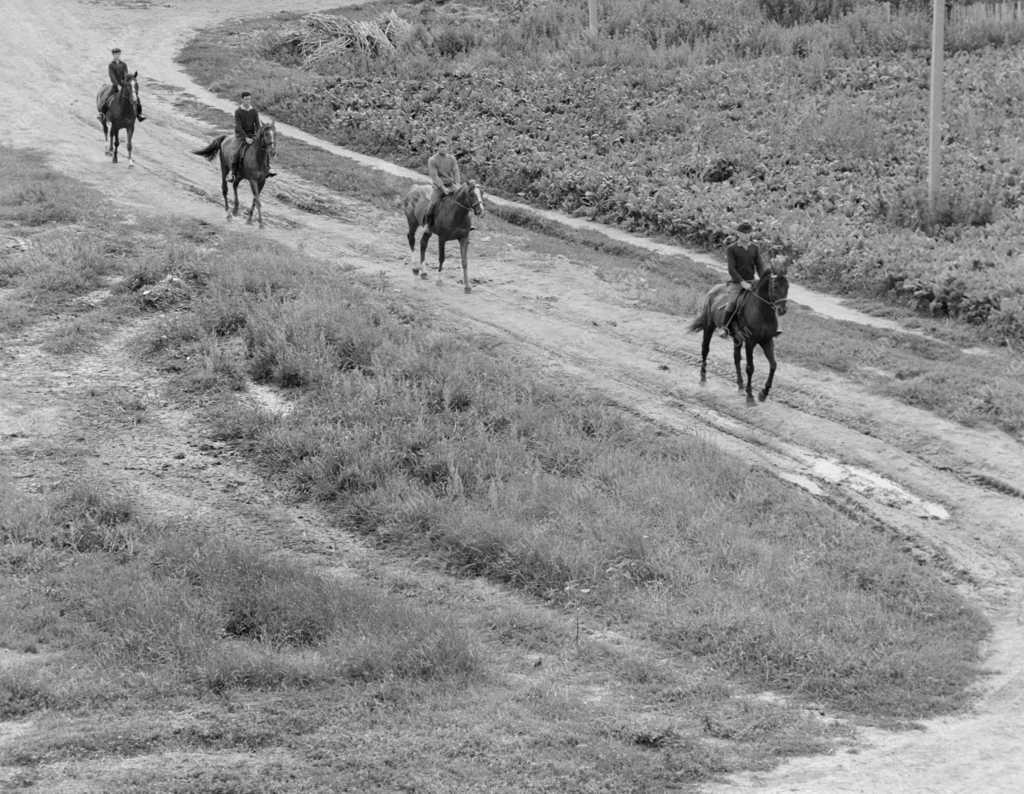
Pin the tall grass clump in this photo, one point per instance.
(81, 516)
(184, 605)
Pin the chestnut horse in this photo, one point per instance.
(451, 222)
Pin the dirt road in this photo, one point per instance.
(955, 494)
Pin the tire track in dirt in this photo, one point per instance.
(953, 492)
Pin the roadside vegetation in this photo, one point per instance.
(808, 119)
(724, 581)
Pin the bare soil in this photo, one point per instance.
(954, 494)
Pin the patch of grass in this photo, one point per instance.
(202, 648)
(35, 196)
(212, 612)
(425, 441)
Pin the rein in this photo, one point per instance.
(262, 148)
(471, 208)
(770, 301)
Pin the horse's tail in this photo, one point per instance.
(211, 151)
(704, 318)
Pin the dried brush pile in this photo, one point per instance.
(323, 37)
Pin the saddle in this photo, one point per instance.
(103, 97)
(724, 307)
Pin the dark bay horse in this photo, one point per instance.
(254, 166)
(451, 222)
(756, 323)
(120, 114)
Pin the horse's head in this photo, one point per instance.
(775, 288)
(472, 197)
(131, 87)
(266, 138)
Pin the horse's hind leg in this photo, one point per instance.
(769, 353)
(464, 251)
(705, 346)
(411, 237)
(424, 239)
(440, 260)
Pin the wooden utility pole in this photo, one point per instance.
(935, 114)
(592, 7)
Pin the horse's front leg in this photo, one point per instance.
(440, 259)
(737, 351)
(130, 133)
(750, 371)
(769, 353)
(705, 346)
(115, 140)
(255, 206)
(464, 250)
(224, 189)
(411, 237)
(106, 137)
(423, 253)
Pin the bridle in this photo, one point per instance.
(265, 147)
(771, 300)
(477, 206)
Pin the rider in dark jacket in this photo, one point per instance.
(743, 258)
(247, 124)
(117, 71)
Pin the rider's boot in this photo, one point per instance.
(138, 112)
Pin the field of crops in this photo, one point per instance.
(685, 125)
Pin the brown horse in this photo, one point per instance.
(756, 322)
(254, 166)
(120, 113)
(451, 222)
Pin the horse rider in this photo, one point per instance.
(117, 71)
(443, 169)
(247, 124)
(743, 258)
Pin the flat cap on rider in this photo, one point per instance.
(115, 51)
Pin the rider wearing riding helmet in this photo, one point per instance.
(117, 71)
(743, 258)
(443, 169)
